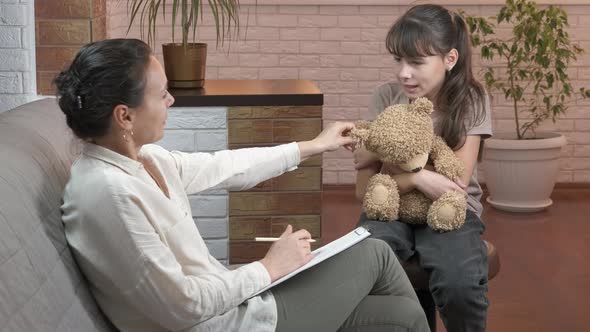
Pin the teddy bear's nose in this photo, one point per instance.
(417, 169)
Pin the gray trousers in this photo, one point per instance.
(457, 262)
(364, 288)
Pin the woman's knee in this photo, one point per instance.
(417, 318)
(373, 246)
(375, 255)
(381, 250)
(387, 313)
(378, 245)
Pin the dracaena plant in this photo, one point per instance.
(533, 69)
(189, 12)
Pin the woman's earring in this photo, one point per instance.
(125, 138)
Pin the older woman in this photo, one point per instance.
(129, 224)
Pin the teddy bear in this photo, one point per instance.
(403, 135)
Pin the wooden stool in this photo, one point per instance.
(419, 279)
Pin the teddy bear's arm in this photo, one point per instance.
(445, 160)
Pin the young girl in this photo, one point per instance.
(432, 48)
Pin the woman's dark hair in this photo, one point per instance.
(427, 30)
(103, 75)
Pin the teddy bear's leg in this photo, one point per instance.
(413, 207)
(448, 212)
(381, 200)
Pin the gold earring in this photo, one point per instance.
(125, 138)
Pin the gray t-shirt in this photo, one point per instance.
(390, 94)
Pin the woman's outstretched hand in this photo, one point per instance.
(330, 139)
(288, 253)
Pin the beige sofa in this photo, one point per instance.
(41, 287)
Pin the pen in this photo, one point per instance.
(273, 239)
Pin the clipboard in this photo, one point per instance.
(321, 254)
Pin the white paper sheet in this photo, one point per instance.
(325, 252)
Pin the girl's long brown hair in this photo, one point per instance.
(427, 30)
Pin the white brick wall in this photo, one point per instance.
(17, 53)
(202, 129)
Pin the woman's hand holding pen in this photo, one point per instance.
(288, 253)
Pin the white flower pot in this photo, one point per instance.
(520, 174)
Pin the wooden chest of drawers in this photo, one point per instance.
(266, 113)
(292, 198)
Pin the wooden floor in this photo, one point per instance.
(544, 280)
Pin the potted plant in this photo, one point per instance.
(184, 61)
(530, 69)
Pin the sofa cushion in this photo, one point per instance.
(41, 287)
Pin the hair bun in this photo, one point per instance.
(68, 89)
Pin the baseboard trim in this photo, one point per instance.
(558, 186)
(572, 185)
(338, 187)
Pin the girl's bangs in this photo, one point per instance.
(410, 40)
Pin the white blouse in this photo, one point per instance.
(137, 244)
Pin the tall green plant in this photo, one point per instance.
(537, 55)
(225, 14)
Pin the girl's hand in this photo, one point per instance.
(291, 251)
(364, 158)
(330, 139)
(460, 183)
(434, 185)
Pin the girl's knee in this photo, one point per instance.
(459, 293)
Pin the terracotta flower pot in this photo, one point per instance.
(185, 66)
(520, 174)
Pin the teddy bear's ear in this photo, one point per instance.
(362, 124)
(424, 105)
(360, 134)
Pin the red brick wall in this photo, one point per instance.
(62, 27)
(341, 48)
